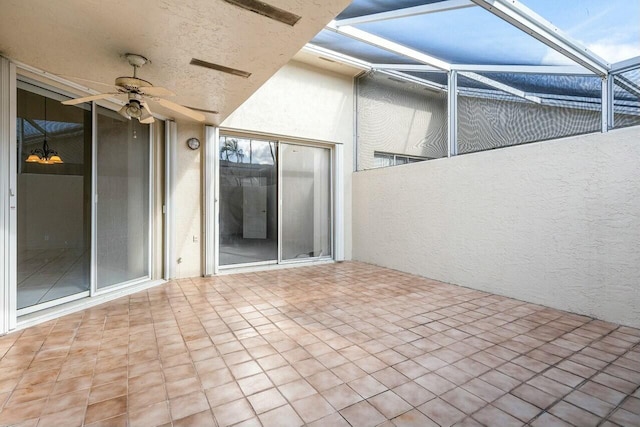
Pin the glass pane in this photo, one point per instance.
(54, 214)
(381, 160)
(123, 199)
(248, 201)
(306, 202)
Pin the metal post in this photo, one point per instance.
(452, 113)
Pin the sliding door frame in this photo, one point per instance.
(95, 199)
(9, 320)
(332, 190)
(8, 196)
(46, 88)
(212, 232)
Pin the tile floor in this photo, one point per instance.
(332, 345)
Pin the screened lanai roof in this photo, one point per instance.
(526, 47)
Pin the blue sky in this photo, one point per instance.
(610, 28)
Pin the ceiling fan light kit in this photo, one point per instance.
(138, 93)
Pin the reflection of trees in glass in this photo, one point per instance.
(258, 152)
(232, 148)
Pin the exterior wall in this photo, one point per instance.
(302, 101)
(187, 200)
(554, 223)
(399, 118)
(299, 101)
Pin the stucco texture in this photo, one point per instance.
(555, 223)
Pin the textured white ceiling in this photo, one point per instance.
(87, 38)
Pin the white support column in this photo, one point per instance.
(452, 113)
(610, 100)
(607, 103)
(93, 276)
(338, 211)
(170, 156)
(8, 196)
(209, 185)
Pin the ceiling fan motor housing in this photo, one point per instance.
(132, 83)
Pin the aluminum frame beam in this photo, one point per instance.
(518, 15)
(388, 45)
(337, 56)
(501, 86)
(407, 67)
(576, 70)
(626, 65)
(413, 79)
(441, 6)
(626, 84)
(452, 114)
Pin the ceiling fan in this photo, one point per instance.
(138, 92)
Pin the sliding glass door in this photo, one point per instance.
(248, 201)
(53, 197)
(306, 201)
(275, 202)
(81, 217)
(122, 216)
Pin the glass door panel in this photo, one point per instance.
(122, 217)
(248, 201)
(306, 201)
(54, 197)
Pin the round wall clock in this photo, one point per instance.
(193, 143)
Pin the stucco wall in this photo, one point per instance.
(299, 101)
(302, 101)
(187, 199)
(555, 223)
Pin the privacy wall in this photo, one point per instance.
(555, 223)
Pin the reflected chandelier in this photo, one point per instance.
(44, 155)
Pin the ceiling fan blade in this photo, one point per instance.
(89, 98)
(147, 116)
(156, 91)
(180, 109)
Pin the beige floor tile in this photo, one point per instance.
(517, 408)
(296, 390)
(390, 404)
(233, 412)
(154, 415)
(105, 409)
(413, 418)
(441, 412)
(362, 414)
(312, 408)
(188, 404)
(283, 416)
(266, 400)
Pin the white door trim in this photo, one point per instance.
(8, 196)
